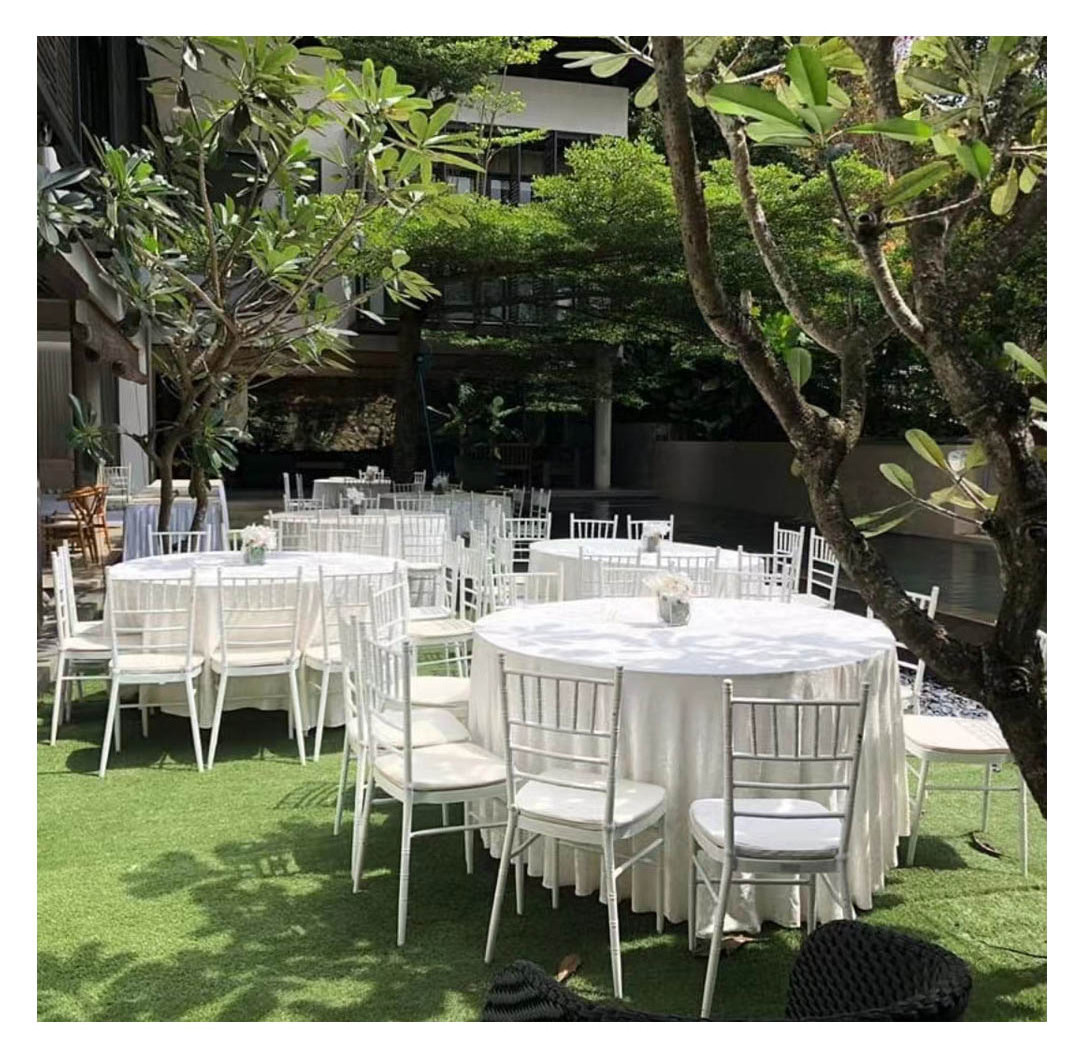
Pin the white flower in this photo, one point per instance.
(257, 536)
(655, 529)
(354, 496)
(441, 480)
(669, 585)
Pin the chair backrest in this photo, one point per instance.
(286, 490)
(67, 622)
(423, 536)
(539, 501)
(618, 580)
(577, 720)
(152, 616)
(503, 554)
(386, 670)
(87, 505)
(389, 609)
(517, 500)
(523, 531)
(402, 488)
(591, 566)
(165, 543)
(511, 589)
(494, 515)
(366, 535)
(235, 540)
(294, 533)
(515, 455)
(303, 504)
(699, 569)
(822, 569)
(474, 581)
(790, 542)
(116, 479)
(414, 502)
(258, 612)
(586, 528)
(804, 734)
(367, 501)
(639, 528)
(420, 479)
(349, 593)
(299, 486)
(758, 576)
(927, 602)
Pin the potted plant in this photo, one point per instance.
(479, 423)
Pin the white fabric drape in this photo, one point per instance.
(671, 721)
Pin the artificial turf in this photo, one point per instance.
(168, 895)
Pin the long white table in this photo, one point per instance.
(671, 720)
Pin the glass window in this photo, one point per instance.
(492, 300)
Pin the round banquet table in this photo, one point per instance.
(262, 693)
(670, 724)
(332, 489)
(565, 553)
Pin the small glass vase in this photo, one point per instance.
(673, 611)
(354, 509)
(652, 543)
(255, 554)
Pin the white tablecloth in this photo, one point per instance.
(555, 553)
(671, 720)
(270, 692)
(141, 513)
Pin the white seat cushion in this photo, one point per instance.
(422, 613)
(453, 766)
(431, 727)
(585, 808)
(438, 629)
(439, 691)
(155, 662)
(812, 838)
(317, 655)
(251, 657)
(90, 638)
(954, 735)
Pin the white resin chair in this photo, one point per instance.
(758, 576)
(510, 589)
(502, 552)
(259, 623)
(790, 542)
(366, 535)
(299, 486)
(303, 504)
(539, 501)
(591, 565)
(80, 644)
(419, 480)
(494, 517)
(294, 533)
(286, 490)
(911, 694)
(822, 574)
(637, 528)
(776, 828)
(622, 580)
(701, 571)
(414, 502)
(152, 631)
(117, 478)
(585, 528)
(166, 543)
(567, 790)
(523, 531)
(453, 771)
(422, 537)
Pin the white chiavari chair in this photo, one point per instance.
(402, 488)
(591, 565)
(639, 528)
(502, 551)
(294, 533)
(757, 576)
(414, 502)
(494, 517)
(474, 582)
(303, 504)
(259, 624)
(419, 480)
(366, 535)
(701, 570)
(775, 826)
(117, 480)
(822, 574)
(299, 486)
(166, 543)
(585, 528)
(511, 589)
(517, 500)
(523, 531)
(323, 653)
(286, 490)
(619, 580)
(454, 771)
(561, 745)
(152, 631)
(80, 644)
(366, 502)
(539, 501)
(423, 536)
(790, 542)
(911, 694)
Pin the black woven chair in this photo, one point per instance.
(851, 971)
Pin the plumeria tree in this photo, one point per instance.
(959, 133)
(236, 287)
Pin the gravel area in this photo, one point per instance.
(944, 702)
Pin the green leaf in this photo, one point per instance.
(931, 81)
(975, 456)
(945, 144)
(995, 64)
(1028, 179)
(837, 54)
(808, 74)
(1027, 361)
(1038, 406)
(330, 54)
(399, 258)
(778, 133)
(819, 118)
(912, 184)
(609, 67)
(645, 96)
(883, 520)
(975, 159)
(1004, 197)
(952, 495)
(896, 128)
(898, 476)
(749, 101)
(800, 364)
(926, 448)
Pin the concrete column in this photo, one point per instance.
(602, 419)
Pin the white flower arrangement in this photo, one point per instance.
(354, 496)
(670, 584)
(440, 482)
(258, 536)
(372, 472)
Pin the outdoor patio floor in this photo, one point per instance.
(163, 894)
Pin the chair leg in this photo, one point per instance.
(555, 866)
(613, 917)
(215, 728)
(845, 892)
(58, 697)
(339, 805)
(294, 694)
(196, 734)
(500, 885)
(717, 939)
(110, 718)
(116, 728)
(403, 880)
(986, 798)
(144, 718)
(324, 689)
(519, 883)
(920, 794)
(445, 815)
(811, 904)
(365, 791)
(1023, 824)
(691, 896)
(468, 841)
(660, 883)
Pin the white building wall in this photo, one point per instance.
(564, 106)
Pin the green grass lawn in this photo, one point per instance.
(166, 895)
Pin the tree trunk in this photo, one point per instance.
(200, 491)
(407, 396)
(165, 466)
